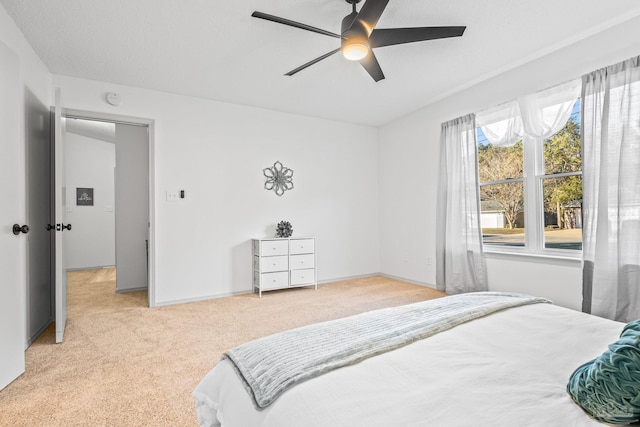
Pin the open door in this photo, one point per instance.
(12, 245)
(61, 225)
(39, 164)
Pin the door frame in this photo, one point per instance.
(150, 123)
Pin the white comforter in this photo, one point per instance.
(507, 369)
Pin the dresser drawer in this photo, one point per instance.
(268, 264)
(303, 277)
(302, 246)
(270, 247)
(267, 281)
(297, 262)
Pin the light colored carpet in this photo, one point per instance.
(124, 364)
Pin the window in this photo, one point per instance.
(501, 176)
(561, 186)
(531, 190)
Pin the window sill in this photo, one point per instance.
(556, 259)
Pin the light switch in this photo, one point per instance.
(109, 208)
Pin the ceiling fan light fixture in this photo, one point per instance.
(356, 48)
(358, 35)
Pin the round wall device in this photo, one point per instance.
(114, 99)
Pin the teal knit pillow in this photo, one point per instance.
(608, 387)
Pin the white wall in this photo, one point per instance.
(409, 153)
(33, 72)
(89, 163)
(216, 152)
(560, 281)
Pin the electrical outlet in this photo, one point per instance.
(173, 195)
(428, 260)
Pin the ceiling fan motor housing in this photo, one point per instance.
(355, 38)
(347, 21)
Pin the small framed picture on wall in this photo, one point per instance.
(84, 196)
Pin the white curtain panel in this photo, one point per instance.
(539, 115)
(460, 264)
(611, 187)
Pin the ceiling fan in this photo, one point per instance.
(359, 35)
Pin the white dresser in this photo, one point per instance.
(284, 263)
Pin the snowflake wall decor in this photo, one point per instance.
(278, 178)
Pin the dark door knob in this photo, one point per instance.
(17, 229)
(61, 227)
(50, 227)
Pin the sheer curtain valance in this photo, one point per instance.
(539, 115)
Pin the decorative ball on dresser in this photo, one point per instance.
(284, 229)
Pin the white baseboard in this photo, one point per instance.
(341, 279)
(320, 282)
(39, 332)
(402, 279)
(413, 282)
(124, 291)
(96, 267)
(203, 298)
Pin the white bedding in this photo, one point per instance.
(507, 369)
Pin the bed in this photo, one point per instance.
(506, 368)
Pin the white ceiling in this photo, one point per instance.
(214, 49)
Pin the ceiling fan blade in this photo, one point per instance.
(390, 36)
(310, 63)
(295, 24)
(370, 14)
(370, 63)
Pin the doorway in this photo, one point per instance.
(101, 206)
(107, 180)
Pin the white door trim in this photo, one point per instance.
(60, 201)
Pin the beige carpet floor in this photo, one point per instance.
(124, 364)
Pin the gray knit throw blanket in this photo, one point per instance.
(270, 365)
